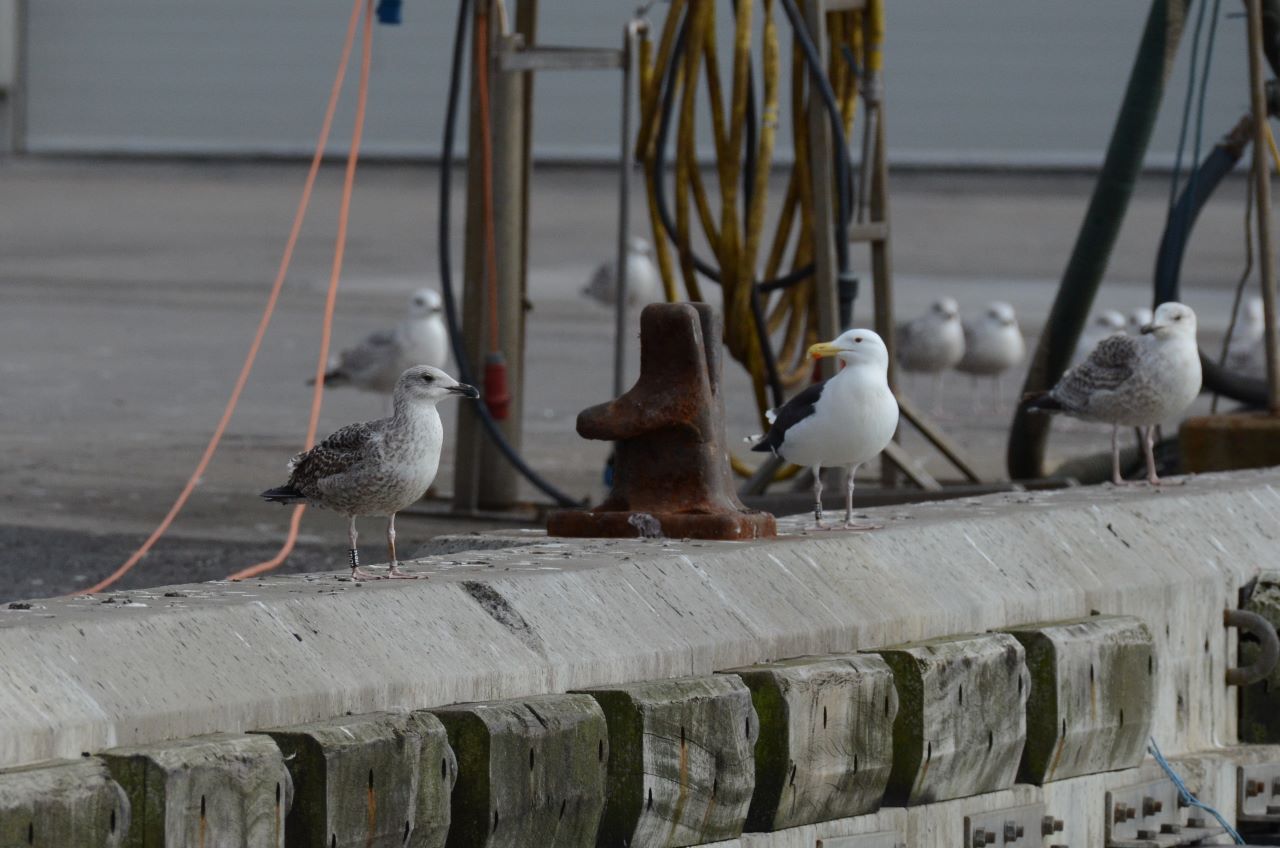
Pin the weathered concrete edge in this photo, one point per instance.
(82, 675)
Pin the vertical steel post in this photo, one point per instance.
(822, 175)
(471, 435)
(1262, 176)
(625, 165)
(483, 478)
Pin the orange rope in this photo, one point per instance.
(263, 323)
(481, 59)
(331, 300)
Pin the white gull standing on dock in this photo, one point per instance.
(1133, 381)
(378, 361)
(378, 467)
(932, 343)
(844, 420)
(992, 344)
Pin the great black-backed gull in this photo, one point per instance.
(1133, 381)
(378, 467)
(843, 421)
(378, 361)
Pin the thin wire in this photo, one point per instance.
(1187, 795)
(286, 259)
(1186, 111)
(1240, 284)
(1204, 85)
(331, 300)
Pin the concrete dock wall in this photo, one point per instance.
(84, 676)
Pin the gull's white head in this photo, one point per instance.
(855, 347)
(1000, 314)
(640, 244)
(945, 308)
(1172, 321)
(424, 383)
(1108, 319)
(424, 302)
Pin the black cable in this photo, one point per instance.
(446, 272)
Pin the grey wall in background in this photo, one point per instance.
(981, 82)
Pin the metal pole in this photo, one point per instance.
(625, 163)
(822, 176)
(1262, 189)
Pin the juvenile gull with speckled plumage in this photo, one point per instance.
(1134, 381)
(377, 467)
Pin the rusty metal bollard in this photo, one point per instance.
(671, 474)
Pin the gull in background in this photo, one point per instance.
(376, 363)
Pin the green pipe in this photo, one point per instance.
(1107, 207)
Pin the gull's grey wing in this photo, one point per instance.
(375, 352)
(342, 451)
(1106, 369)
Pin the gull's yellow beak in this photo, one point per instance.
(824, 349)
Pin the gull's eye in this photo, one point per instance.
(1177, 317)
(427, 378)
(858, 339)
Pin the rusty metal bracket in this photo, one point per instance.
(1149, 815)
(671, 472)
(1265, 632)
(1258, 793)
(1022, 827)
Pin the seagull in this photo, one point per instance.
(644, 283)
(844, 420)
(1105, 323)
(933, 342)
(377, 467)
(1132, 381)
(375, 363)
(992, 344)
(1247, 351)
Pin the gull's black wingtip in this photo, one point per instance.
(284, 495)
(1042, 402)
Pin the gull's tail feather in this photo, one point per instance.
(284, 495)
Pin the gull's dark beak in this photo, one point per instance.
(1148, 329)
(465, 390)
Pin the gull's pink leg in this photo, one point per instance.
(394, 572)
(357, 573)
